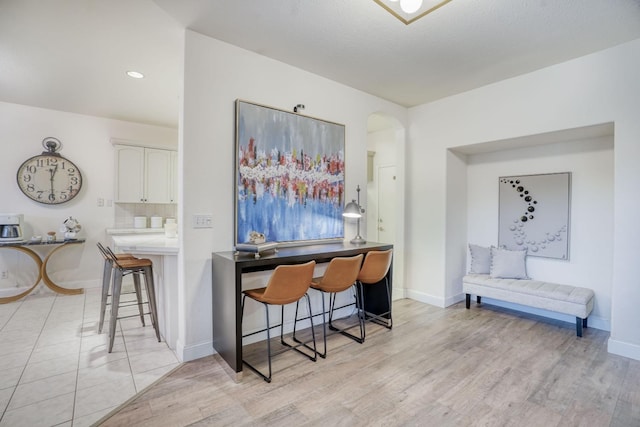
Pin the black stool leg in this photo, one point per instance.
(324, 326)
(250, 366)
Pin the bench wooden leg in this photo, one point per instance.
(478, 299)
(468, 301)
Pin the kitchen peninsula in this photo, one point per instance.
(163, 252)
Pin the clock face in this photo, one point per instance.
(49, 179)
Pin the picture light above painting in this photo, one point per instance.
(290, 172)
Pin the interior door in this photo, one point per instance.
(386, 204)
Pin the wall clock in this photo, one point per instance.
(49, 178)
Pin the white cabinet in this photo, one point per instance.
(143, 175)
(174, 177)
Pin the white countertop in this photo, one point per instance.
(118, 231)
(146, 244)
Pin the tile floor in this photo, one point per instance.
(54, 366)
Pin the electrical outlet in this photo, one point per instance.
(100, 202)
(4, 275)
(203, 221)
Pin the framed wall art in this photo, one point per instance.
(534, 214)
(289, 176)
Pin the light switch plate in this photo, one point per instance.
(203, 221)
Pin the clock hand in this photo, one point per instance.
(53, 172)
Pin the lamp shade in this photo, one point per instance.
(352, 210)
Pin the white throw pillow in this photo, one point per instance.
(506, 264)
(480, 259)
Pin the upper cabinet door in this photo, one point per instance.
(174, 177)
(145, 175)
(129, 174)
(158, 175)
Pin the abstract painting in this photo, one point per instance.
(289, 176)
(534, 214)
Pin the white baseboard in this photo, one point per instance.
(12, 288)
(632, 351)
(425, 298)
(193, 352)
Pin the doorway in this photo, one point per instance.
(386, 204)
(385, 190)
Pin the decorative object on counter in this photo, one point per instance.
(11, 227)
(49, 178)
(51, 236)
(70, 227)
(256, 238)
(355, 210)
(36, 239)
(139, 222)
(171, 228)
(257, 248)
(156, 221)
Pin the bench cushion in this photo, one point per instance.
(565, 299)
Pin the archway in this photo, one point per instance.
(384, 216)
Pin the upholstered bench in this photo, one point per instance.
(564, 299)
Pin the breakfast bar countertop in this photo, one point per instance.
(146, 243)
(120, 231)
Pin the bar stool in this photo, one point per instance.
(124, 267)
(287, 284)
(374, 269)
(340, 275)
(106, 285)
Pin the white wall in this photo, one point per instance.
(590, 162)
(215, 75)
(598, 88)
(86, 142)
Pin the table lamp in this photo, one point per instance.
(354, 210)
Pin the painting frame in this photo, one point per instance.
(535, 214)
(289, 176)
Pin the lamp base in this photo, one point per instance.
(358, 240)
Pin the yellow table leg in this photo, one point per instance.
(47, 280)
(42, 273)
(38, 262)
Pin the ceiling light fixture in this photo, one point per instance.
(408, 11)
(135, 75)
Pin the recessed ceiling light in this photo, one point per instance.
(135, 74)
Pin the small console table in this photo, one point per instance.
(227, 271)
(42, 266)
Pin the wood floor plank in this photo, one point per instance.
(486, 366)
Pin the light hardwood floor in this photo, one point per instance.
(485, 366)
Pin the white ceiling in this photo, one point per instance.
(71, 55)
